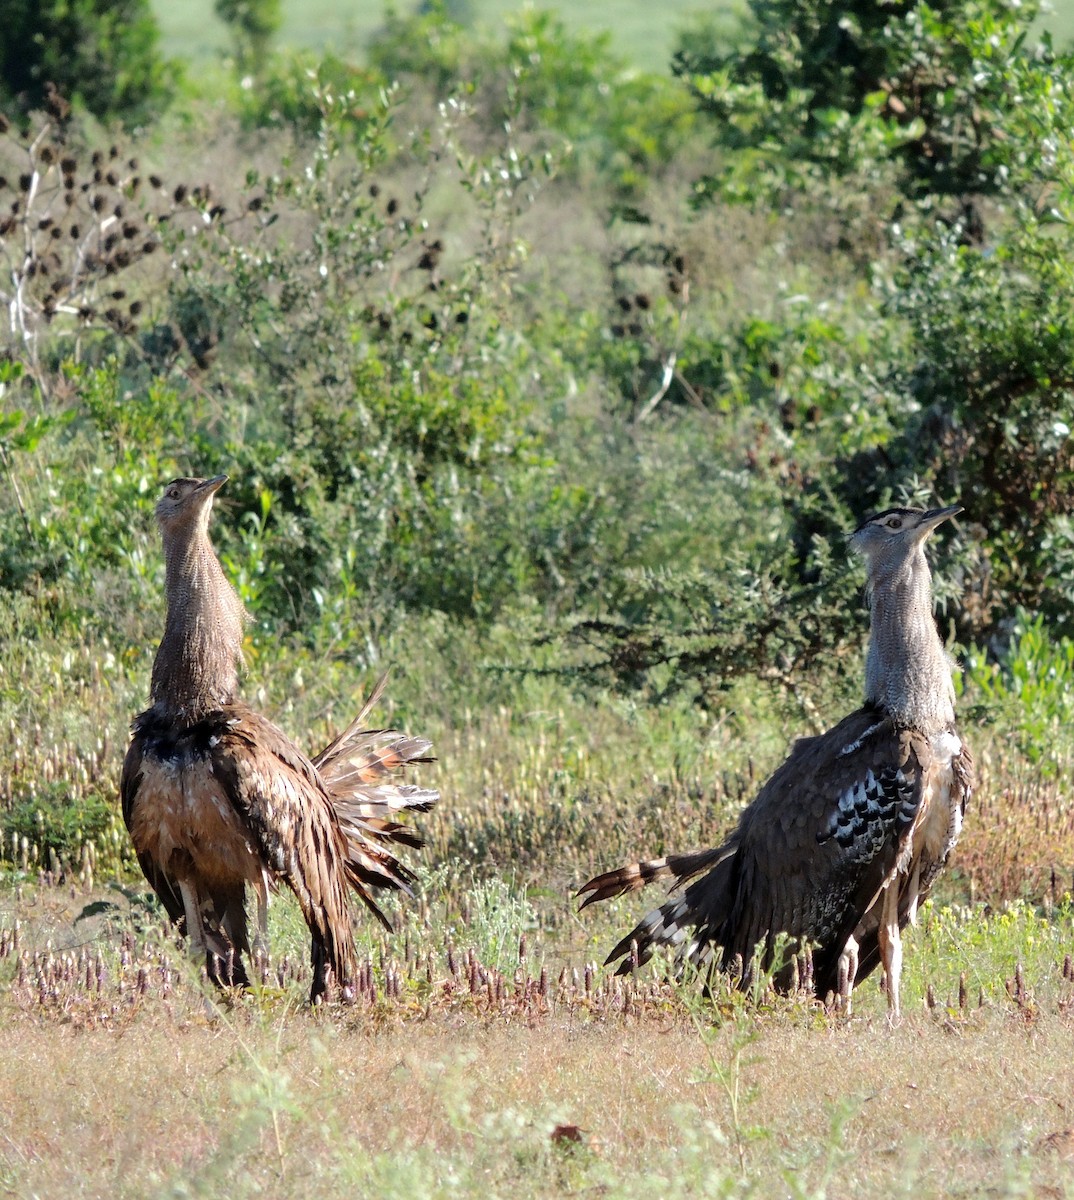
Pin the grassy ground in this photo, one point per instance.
(122, 1077)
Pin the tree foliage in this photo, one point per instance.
(846, 86)
(103, 54)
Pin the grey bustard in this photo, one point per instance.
(843, 842)
(217, 798)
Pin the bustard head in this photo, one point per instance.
(892, 538)
(186, 505)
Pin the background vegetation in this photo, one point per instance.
(550, 376)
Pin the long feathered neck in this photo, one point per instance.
(196, 667)
(907, 671)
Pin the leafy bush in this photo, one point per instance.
(253, 25)
(819, 88)
(100, 53)
(564, 91)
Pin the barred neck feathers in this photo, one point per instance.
(907, 671)
(196, 667)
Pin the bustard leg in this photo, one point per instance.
(848, 972)
(891, 948)
(261, 952)
(195, 928)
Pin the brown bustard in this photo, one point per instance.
(216, 797)
(847, 837)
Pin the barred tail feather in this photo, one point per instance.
(633, 877)
(688, 922)
(356, 769)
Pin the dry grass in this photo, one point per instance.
(182, 1099)
(471, 1044)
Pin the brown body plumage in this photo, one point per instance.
(847, 837)
(217, 798)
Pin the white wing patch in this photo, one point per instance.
(858, 742)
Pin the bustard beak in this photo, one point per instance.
(934, 517)
(213, 485)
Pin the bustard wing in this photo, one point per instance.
(808, 857)
(276, 791)
(824, 835)
(295, 814)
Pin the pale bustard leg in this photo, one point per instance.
(261, 952)
(891, 948)
(195, 929)
(848, 972)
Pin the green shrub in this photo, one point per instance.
(847, 88)
(253, 24)
(100, 53)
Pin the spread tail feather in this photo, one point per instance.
(689, 922)
(634, 876)
(356, 769)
